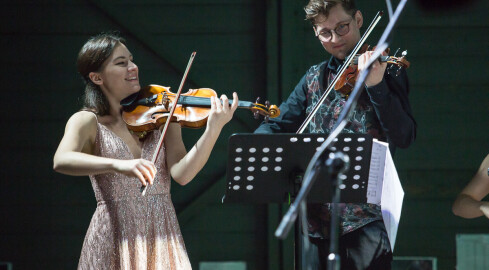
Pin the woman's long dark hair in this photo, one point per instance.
(90, 59)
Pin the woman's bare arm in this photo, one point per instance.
(468, 203)
(74, 155)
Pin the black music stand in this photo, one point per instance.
(267, 168)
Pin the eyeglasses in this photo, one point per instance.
(340, 30)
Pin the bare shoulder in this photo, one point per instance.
(82, 124)
(83, 119)
(80, 133)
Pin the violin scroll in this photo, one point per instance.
(266, 110)
(400, 62)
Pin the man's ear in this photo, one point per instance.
(359, 18)
(95, 78)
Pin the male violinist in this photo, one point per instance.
(383, 110)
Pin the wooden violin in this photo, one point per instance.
(346, 81)
(149, 108)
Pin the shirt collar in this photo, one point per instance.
(334, 64)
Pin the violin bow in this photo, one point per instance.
(345, 65)
(168, 120)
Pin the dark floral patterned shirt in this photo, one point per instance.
(382, 111)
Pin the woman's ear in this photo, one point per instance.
(95, 78)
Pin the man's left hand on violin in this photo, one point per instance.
(377, 71)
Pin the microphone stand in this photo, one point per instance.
(319, 160)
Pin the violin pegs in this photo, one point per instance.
(404, 53)
(398, 70)
(256, 115)
(258, 100)
(390, 68)
(267, 117)
(396, 51)
(267, 104)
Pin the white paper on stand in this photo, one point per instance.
(376, 173)
(384, 188)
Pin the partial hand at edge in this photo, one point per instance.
(485, 208)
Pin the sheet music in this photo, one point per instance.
(384, 188)
(376, 174)
(392, 197)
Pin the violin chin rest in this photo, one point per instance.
(129, 100)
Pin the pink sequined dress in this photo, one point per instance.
(129, 231)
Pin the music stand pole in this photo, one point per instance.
(337, 163)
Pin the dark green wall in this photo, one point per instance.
(253, 47)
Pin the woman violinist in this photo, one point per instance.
(128, 230)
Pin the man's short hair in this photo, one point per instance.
(316, 8)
